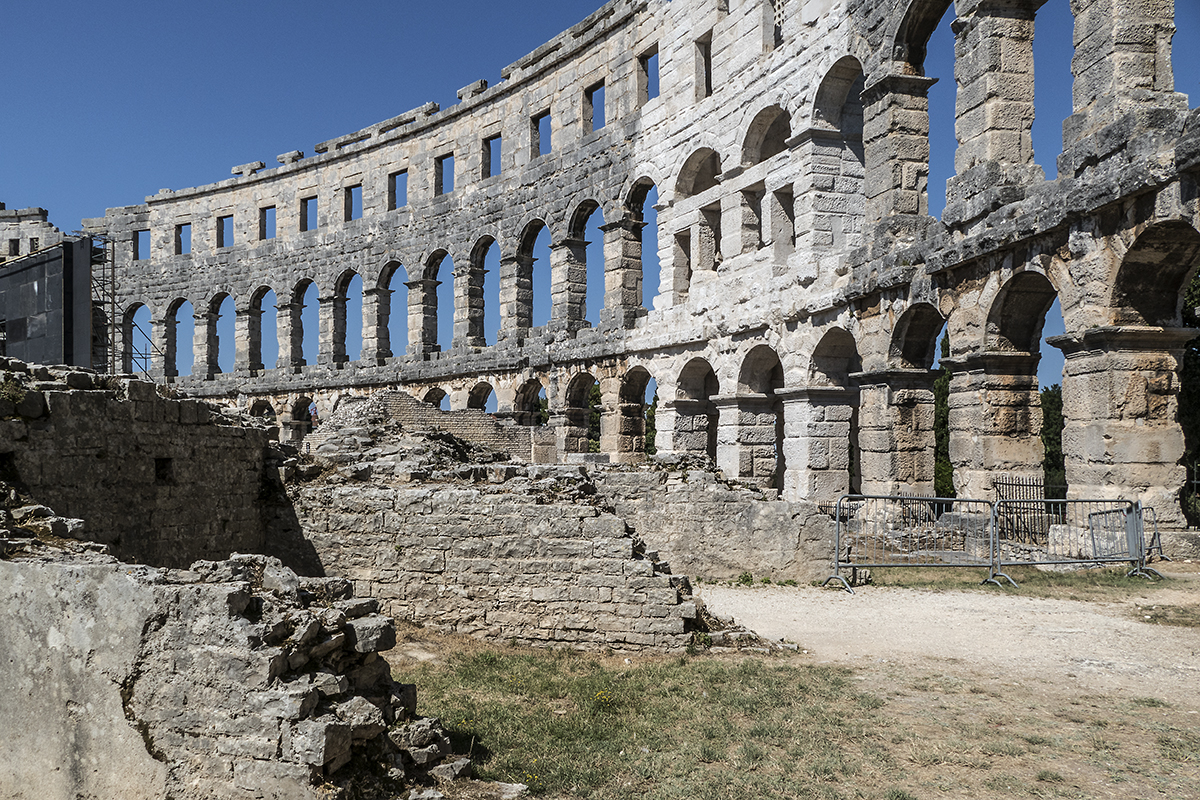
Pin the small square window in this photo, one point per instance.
(34, 244)
(308, 214)
(492, 149)
(14, 247)
(397, 190)
(540, 132)
(225, 231)
(266, 223)
(164, 472)
(593, 108)
(443, 175)
(183, 239)
(353, 200)
(141, 245)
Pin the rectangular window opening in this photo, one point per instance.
(225, 231)
(266, 223)
(704, 76)
(3, 352)
(353, 200)
(308, 214)
(648, 76)
(164, 472)
(14, 247)
(593, 108)
(141, 245)
(492, 149)
(397, 190)
(8, 461)
(443, 175)
(183, 239)
(34, 244)
(540, 132)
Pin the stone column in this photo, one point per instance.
(610, 417)
(995, 420)
(291, 337)
(622, 273)
(164, 353)
(332, 346)
(817, 442)
(468, 306)
(1122, 437)
(422, 316)
(896, 146)
(516, 295)
(205, 345)
(247, 334)
(568, 285)
(897, 441)
(747, 440)
(994, 118)
(377, 340)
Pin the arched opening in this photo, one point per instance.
(263, 410)
(263, 333)
(581, 412)
(533, 294)
(915, 339)
(586, 245)
(642, 208)
(482, 398)
(767, 136)
(180, 336)
(529, 404)
(833, 212)
(701, 172)
(1150, 282)
(482, 294)
(632, 408)
(696, 414)
(136, 342)
(306, 321)
(1019, 312)
(439, 300)
(347, 318)
(392, 321)
(437, 398)
(760, 418)
(304, 418)
(834, 361)
(221, 334)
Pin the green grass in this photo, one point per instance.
(584, 726)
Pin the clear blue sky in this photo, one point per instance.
(107, 103)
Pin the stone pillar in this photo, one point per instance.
(516, 295)
(818, 442)
(610, 416)
(622, 273)
(995, 420)
(291, 337)
(205, 345)
(1122, 64)
(994, 118)
(1122, 437)
(568, 285)
(468, 306)
(896, 146)
(377, 340)
(332, 346)
(164, 353)
(747, 438)
(897, 441)
(247, 336)
(422, 316)
(751, 233)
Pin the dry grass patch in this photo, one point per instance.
(1105, 585)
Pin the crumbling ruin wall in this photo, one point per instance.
(706, 528)
(228, 680)
(162, 481)
(466, 544)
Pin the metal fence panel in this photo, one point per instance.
(1048, 532)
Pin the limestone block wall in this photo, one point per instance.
(707, 529)
(162, 481)
(223, 681)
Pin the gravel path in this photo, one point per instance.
(1103, 646)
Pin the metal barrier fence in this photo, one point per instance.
(905, 531)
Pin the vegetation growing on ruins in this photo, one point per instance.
(1054, 468)
(1189, 400)
(943, 470)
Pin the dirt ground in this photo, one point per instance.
(999, 694)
